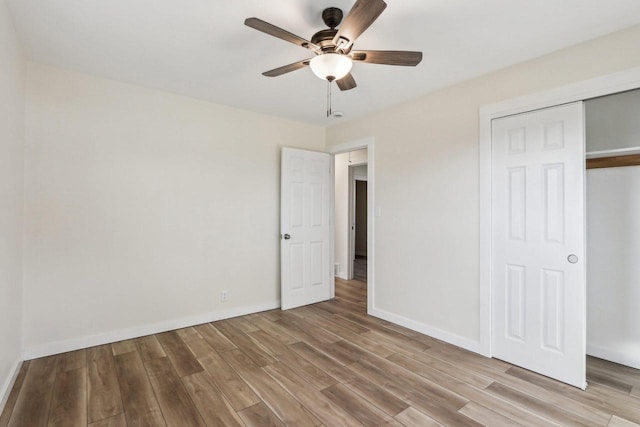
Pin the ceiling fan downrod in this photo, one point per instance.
(329, 98)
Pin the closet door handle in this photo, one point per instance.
(573, 258)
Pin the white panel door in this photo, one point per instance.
(305, 241)
(538, 271)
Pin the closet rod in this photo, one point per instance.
(614, 161)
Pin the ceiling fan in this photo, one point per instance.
(333, 46)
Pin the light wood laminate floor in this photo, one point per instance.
(326, 364)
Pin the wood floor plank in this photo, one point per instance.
(411, 417)
(98, 351)
(635, 392)
(34, 400)
(243, 325)
(346, 306)
(285, 406)
(387, 402)
(307, 370)
(183, 360)
(628, 373)
(355, 405)
(259, 415)
(620, 422)
(367, 322)
(470, 392)
(149, 348)
(73, 360)
(273, 315)
(567, 403)
(209, 400)
(609, 380)
(302, 312)
(548, 409)
(609, 406)
(338, 306)
(311, 334)
(236, 390)
(200, 349)
(176, 405)
(188, 334)
(140, 404)
(396, 341)
(622, 374)
(617, 403)
(467, 359)
(13, 394)
(103, 391)
(408, 378)
(344, 352)
(465, 375)
(351, 296)
(268, 343)
(322, 407)
(69, 401)
(117, 421)
(428, 398)
(256, 353)
(274, 329)
(486, 416)
(368, 344)
(122, 347)
(336, 324)
(214, 337)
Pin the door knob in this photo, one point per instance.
(287, 237)
(572, 258)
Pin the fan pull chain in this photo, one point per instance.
(328, 98)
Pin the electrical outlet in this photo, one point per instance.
(223, 296)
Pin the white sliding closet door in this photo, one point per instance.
(538, 267)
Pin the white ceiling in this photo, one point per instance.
(200, 48)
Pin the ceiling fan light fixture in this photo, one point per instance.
(331, 66)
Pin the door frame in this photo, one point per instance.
(580, 91)
(369, 144)
(352, 216)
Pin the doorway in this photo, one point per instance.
(353, 163)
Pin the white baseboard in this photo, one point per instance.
(423, 328)
(342, 276)
(58, 347)
(8, 384)
(613, 355)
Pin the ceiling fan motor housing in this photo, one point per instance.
(332, 16)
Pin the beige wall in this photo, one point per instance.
(11, 198)
(141, 206)
(427, 236)
(612, 122)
